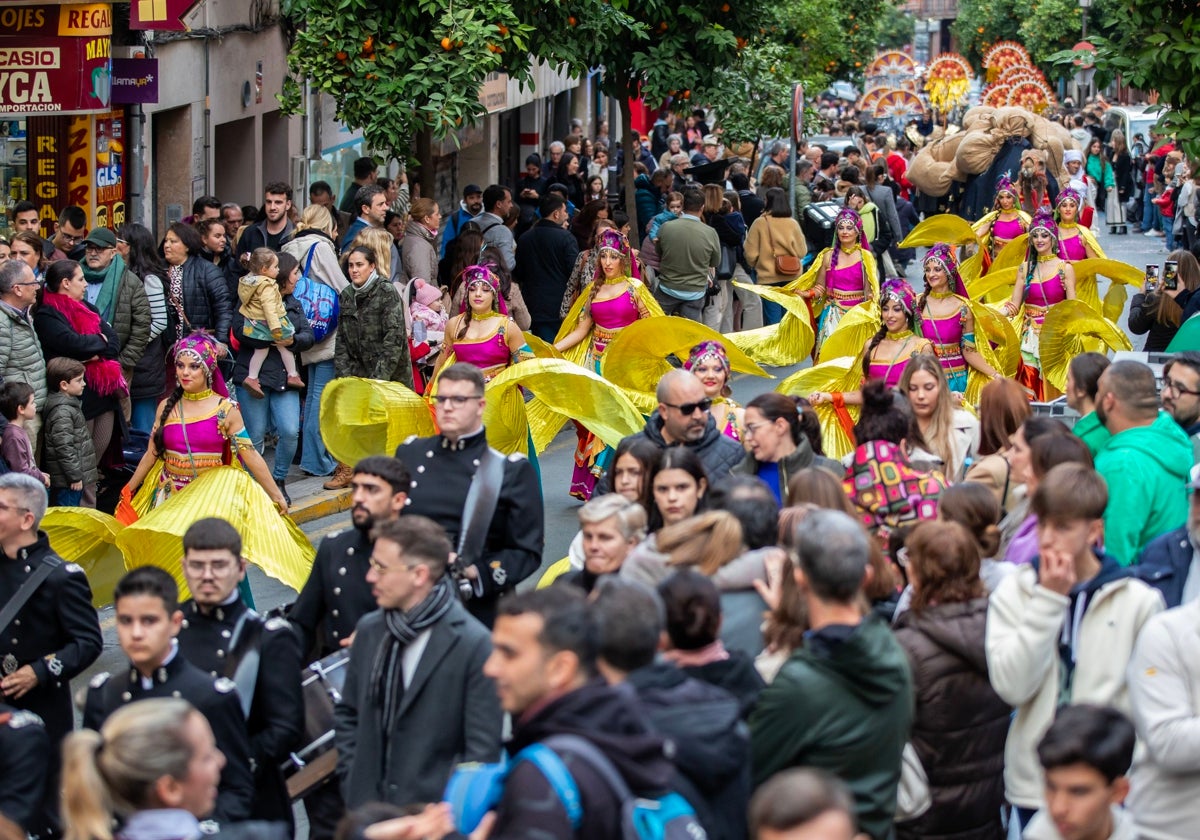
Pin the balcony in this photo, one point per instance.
(935, 9)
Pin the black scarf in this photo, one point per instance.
(403, 627)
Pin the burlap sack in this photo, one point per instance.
(943, 150)
(930, 176)
(978, 118)
(977, 150)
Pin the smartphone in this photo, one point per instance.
(1151, 276)
(1170, 275)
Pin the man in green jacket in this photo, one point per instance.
(844, 701)
(119, 295)
(688, 253)
(1145, 463)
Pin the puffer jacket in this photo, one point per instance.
(131, 320)
(323, 269)
(960, 724)
(21, 357)
(206, 303)
(418, 256)
(372, 340)
(68, 454)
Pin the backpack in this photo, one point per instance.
(668, 817)
(320, 302)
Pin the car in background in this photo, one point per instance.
(833, 144)
(1132, 120)
(842, 90)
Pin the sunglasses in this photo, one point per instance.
(688, 409)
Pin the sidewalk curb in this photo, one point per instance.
(323, 504)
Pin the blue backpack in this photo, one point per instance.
(477, 790)
(320, 302)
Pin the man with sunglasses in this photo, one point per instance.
(683, 419)
(489, 504)
(1145, 463)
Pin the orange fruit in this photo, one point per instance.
(446, 44)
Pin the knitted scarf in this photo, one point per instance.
(387, 677)
(104, 376)
(108, 278)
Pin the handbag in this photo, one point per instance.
(912, 796)
(785, 264)
(320, 302)
(728, 263)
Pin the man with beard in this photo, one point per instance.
(275, 228)
(337, 594)
(1181, 395)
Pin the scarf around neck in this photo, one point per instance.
(403, 627)
(108, 278)
(104, 376)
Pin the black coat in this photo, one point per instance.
(1142, 320)
(752, 206)
(206, 302)
(718, 452)
(272, 376)
(961, 724)
(449, 714)
(1165, 563)
(737, 675)
(56, 632)
(59, 338)
(512, 550)
(336, 595)
(24, 767)
(216, 699)
(276, 721)
(546, 256)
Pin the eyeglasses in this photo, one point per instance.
(71, 239)
(688, 409)
(383, 570)
(456, 400)
(32, 283)
(752, 428)
(90, 247)
(1178, 387)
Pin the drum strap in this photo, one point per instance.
(245, 655)
(482, 496)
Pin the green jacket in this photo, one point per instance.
(1091, 431)
(687, 250)
(21, 357)
(131, 320)
(372, 338)
(843, 706)
(1146, 469)
(67, 451)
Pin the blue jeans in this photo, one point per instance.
(281, 408)
(314, 458)
(1151, 218)
(1168, 228)
(64, 497)
(142, 414)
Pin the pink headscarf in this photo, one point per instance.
(203, 348)
(482, 274)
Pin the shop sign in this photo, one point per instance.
(76, 20)
(55, 59)
(159, 14)
(134, 81)
(108, 207)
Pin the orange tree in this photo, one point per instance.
(400, 69)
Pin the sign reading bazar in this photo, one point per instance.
(55, 59)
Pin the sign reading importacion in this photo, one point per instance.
(55, 59)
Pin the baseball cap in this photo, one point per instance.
(472, 189)
(711, 140)
(102, 238)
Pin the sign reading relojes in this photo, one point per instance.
(55, 59)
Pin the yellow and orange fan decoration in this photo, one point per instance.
(1032, 95)
(891, 69)
(88, 538)
(638, 357)
(870, 98)
(947, 81)
(996, 340)
(1002, 55)
(995, 96)
(1064, 332)
(901, 105)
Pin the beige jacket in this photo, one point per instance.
(261, 300)
(788, 239)
(1164, 694)
(1024, 624)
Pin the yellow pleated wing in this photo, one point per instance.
(1067, 326)
(787, 343)
(996, 340)
(361, 417)
(272, 542)
(852, 333)
(88, 538)
(637, 358)
(944, 227)
(840, 374)
(561, 391)
(1114, 302)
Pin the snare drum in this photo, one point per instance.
(321, 686)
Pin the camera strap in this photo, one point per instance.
(482, 496)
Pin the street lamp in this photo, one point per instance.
(1085, 66)
(1084, 5)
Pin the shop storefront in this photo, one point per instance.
(61, 141)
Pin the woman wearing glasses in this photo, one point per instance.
(1043, 280)
(841, 277)
(610, 302)
(777, 446)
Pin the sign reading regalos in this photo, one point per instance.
(55, 59)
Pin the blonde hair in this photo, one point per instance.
(316, 217)
(707, 541)
(113, 772)
(260, 259)
(937, 435)
(421, 209)
(379, 241)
